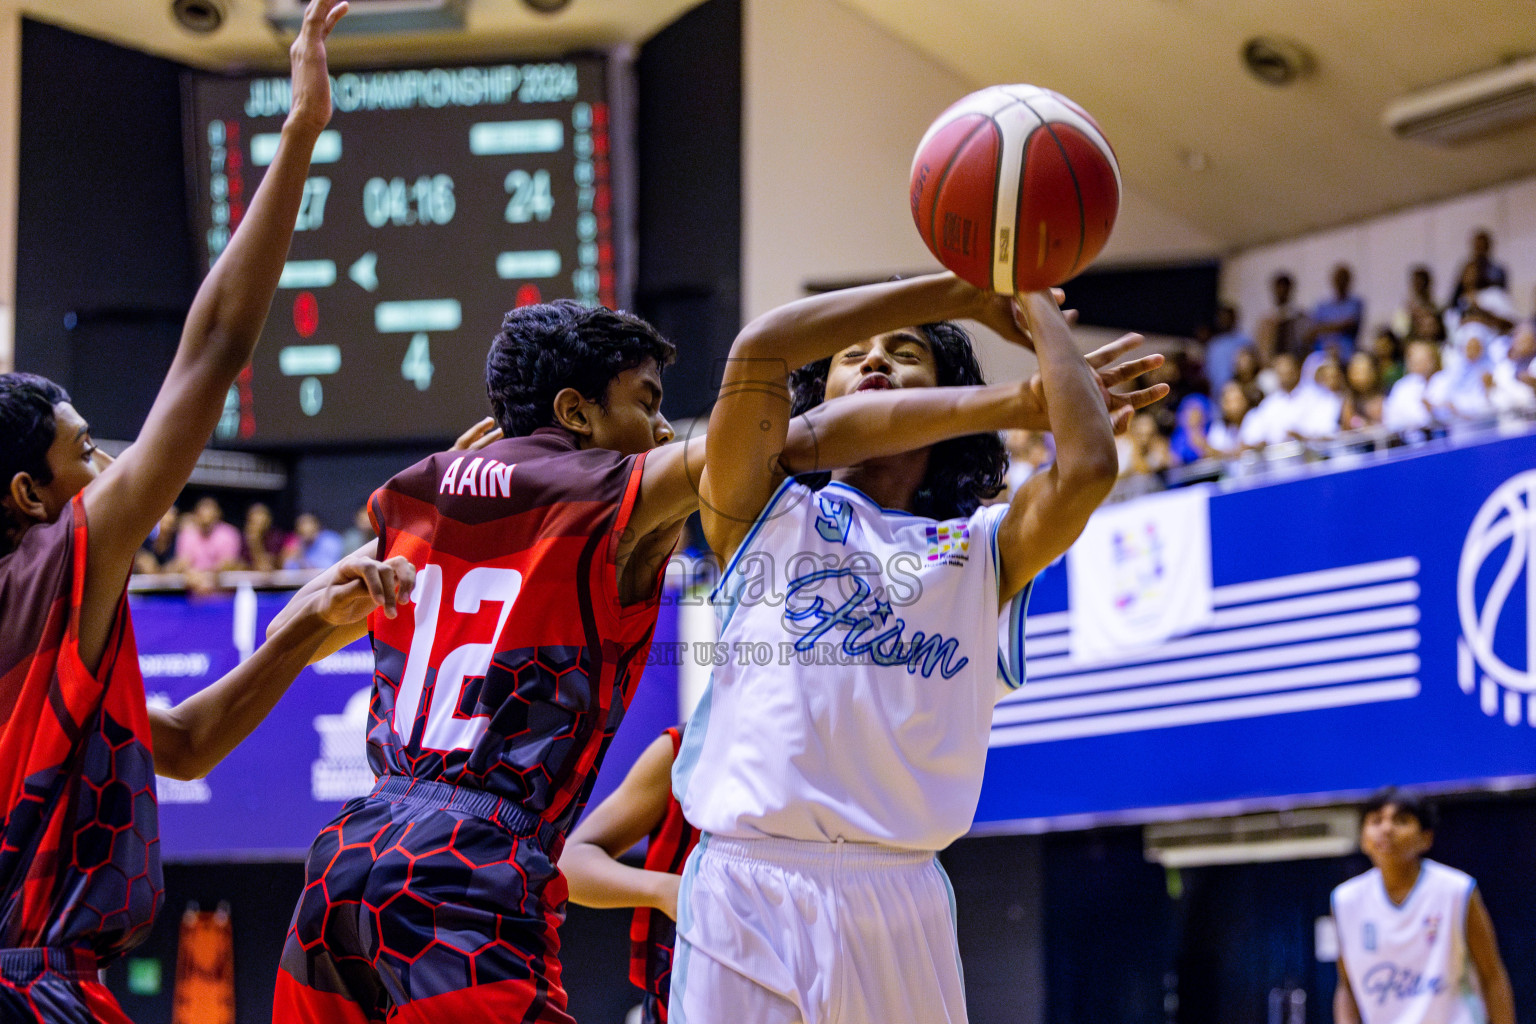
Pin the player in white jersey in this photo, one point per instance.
(1416, 945)
(843, 745)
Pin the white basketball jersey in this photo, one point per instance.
(863, 657)
(1408, 964)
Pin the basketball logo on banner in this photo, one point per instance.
(1502, 539)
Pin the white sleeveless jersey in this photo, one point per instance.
(864, 653)
(1408, 964)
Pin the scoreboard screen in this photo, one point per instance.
(437, 199)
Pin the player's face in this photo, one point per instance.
(631, 422)
(1391, 837)
(73, 458)
(901, 359)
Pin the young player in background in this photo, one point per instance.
(826, 781)
(80, 878)
(1416, 944)
(642, 807)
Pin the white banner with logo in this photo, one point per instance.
(1140, 574)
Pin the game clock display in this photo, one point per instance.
(437, 199)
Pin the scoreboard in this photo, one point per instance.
(437, 199)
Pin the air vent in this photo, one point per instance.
(372, 17)
(1467, 108)
(1252, 838)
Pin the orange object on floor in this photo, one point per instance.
(205, 968)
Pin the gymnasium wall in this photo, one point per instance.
(1382, 249)
(10, 103)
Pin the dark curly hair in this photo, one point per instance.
(546, 348)
(27, 428)
(963, 471)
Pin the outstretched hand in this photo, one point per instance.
(311, 104)
(1110, 373)
(478, 436)
(360, 584)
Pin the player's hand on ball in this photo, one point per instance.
(360, 584)
(478, 436)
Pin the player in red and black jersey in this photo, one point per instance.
(539, 561)
(642, 807)
(80, 878)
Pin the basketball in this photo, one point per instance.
(1015, 188)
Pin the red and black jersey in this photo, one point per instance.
(80, 851)
(512, 667)
(652, 934)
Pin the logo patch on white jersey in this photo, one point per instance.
(948, 544)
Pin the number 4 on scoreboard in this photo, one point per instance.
(417, 364)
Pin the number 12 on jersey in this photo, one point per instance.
(445, 730)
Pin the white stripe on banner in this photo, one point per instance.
(1211, 711)
(1241, 639)
(1294, 643)
(1226, 664)
(1273, 611)
(1326, 579)
(1230, 686)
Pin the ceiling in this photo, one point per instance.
(1163, 77)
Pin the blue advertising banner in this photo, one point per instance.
(271, 796)
(1364, 627)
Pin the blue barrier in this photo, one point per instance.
(1370, 627)
(269, 798)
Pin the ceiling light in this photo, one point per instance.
(1274, 60)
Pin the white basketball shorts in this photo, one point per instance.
(780, 931)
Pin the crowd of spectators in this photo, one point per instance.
(198, 545)
(1311, 381)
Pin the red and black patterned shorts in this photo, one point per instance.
(427, 902)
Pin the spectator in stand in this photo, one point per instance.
(1335, 323)
(1388, 350)
(312, 546)
(1469, 285)
(1365, 397)
(1494, 308)
(207, 544)
(1320, 398)
(1221, 351)
(1245, 373)
(158, 552)
(1188, 442)
(1275, 419)
(1285, 329)
(1419, 318)
(1479, 271)
(1143, 450)
(1514, 391)
(1224, 438)
(1466, 398)
(360, 532)
(261, 544)
(1406, 408)
(1029, 451)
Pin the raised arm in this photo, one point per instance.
(226, 317)
(591, 862)
(1049, 512)
(749, 424)
(195, 735)
(853, 428)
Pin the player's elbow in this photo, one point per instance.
(1091, 474)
